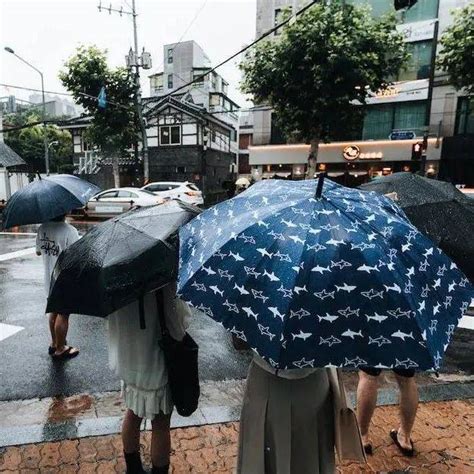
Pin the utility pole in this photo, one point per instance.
(134, 60)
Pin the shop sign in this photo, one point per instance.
(418, 31)
(402, 135)
(353, 152)
(400, 92)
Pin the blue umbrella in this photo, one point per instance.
(342, 279)
(46, 198)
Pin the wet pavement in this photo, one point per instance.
(28, 370)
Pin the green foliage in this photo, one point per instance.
(29, 142)
(113, 129)
(313, 73)
(457, 54)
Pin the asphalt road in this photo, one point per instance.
(26, 371)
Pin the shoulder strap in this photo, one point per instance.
(160, 311)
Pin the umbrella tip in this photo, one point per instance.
(319, 189)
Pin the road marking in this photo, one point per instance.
(18, 233)
(7, 330)
(18, 253)
(467, 322)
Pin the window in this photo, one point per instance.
(465, 116)
(422, 10)
(108, 195)
(380, 120)
(170, 56)
(170, 81)
(156, 83)
(213, 136)
(214, 81)
(181, 169)
(170, 135)
(280, 15)
(126, 194)
(419, 63)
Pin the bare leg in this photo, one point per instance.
(52, 322)
(160, 441)
(61, 327)
(408, 408)
(366, 402)
(131, 432)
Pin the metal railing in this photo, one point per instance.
(89, 163)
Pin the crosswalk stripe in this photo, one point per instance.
(7, 330)
(17, 253)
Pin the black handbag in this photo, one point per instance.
(181, 358)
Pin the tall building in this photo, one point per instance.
(184, 62)
(402, 111)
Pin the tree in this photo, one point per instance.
(28, 142)
(457, 54)
(114, 128)
(316, 72)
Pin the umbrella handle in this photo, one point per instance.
(319, 189)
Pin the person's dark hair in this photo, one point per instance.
(59, 218)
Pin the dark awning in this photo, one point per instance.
(8, 157)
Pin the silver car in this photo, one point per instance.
(113, 202)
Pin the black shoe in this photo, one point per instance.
(134, 463)
(160, 469)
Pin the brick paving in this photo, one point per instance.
(443, 436)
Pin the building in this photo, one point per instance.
(55, 106)
(396, 118)
(184, 62)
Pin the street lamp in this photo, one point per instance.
(45, 135)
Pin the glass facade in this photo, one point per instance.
(381, 120)
(418, 66)
(465, 116)
(422, 10)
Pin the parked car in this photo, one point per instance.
(187, 192)
(112, 202)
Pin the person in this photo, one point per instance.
(52, 238)
(367, 401)
(136, 357)
(287, 422)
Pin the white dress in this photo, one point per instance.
(136, 357)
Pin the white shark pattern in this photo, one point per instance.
(345, 287)
(322, 295)
(341, 264)
(271, 276)
(398, 313)
(349, 312)
(276, 313)
(250, 271)
(407, 364)
(320, 269)
(286, 292)
(403, 335)
(371, 294)
(265, 331)
(302, 363)
(380, 341)
(352, 334)
(225, 274)
(299, 289)
(302, 335)
(258, 295)
(265, 253)
(249, 312)
(328, 317)
(315, 247)
(289, 224)
(355, 363)
(368, 268)
(330, 341)
(216, 290)
(394, 288)
(376, 317)
(301, 313)
(208, 270)
(239, 334)
(236, 257)
(198, 286)
(231, 306)
(241, 289)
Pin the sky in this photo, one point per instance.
(47, 32)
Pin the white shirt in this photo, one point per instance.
(134, 353)
(53, 238)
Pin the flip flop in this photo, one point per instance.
(68, 353)
(406, 452)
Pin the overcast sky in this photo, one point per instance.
(46, 33)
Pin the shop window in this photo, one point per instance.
(465, 116)
(381, 120)
(419, 63)
(170, 135)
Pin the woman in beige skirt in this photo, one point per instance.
(287, 422)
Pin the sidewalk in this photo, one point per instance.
(443, 436)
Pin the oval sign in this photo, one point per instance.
(351, 152)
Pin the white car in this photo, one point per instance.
(113, 202)
(187, 192)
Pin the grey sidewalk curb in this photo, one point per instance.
(12, 436)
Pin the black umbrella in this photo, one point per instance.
(119, 260)
(47, 198)
(438, 209)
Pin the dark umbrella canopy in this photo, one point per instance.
(47, 198)
(119, 260)
(437, 209)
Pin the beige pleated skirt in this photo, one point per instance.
(287, 425)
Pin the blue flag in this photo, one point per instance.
(102, 98)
